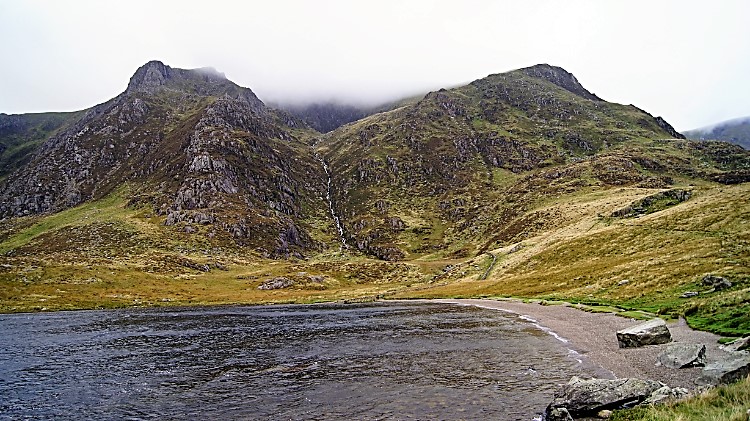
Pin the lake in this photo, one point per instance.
(370, 361)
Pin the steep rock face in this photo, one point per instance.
(198, 148)
(561, 78)
(460, 167)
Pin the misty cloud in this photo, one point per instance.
(685, 60)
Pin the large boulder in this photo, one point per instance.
(730, 369)
(680, 355)
(585, 398)
(652, 332)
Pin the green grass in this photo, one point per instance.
(108, 209)
(730, 403)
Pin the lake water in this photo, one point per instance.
(365, 362)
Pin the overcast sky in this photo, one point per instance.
(687, 61)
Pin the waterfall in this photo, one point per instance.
(336, 219)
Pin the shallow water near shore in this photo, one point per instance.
(332, 361)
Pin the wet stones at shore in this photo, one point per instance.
(652, 332)
(680, 355)
(587, 398)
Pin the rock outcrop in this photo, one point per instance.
(653, 332)
(718, 283)
(653, 203)
(278, 282)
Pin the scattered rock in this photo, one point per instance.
(683, 355)
(689, 294)
(318, 279)
(718, 283)
(558, 414)
(604, 413)
(652, 332)
(586, 398)
(741, 344)
(666, 394)
(728, 370)
(276, 283)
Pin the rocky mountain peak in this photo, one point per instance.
(561, 78)
(149, 76)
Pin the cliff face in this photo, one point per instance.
(198, 148)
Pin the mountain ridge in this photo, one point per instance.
(187, 189)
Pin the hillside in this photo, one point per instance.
(458, 172)
(187, 189)
(21, 134)
(735, 131)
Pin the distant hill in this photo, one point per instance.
(735, 131)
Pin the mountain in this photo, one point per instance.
(206, 154)
(735, 131)
(456, 173)
(187, 189)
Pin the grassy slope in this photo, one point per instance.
(661, 255)
(105, 254)
(728, 403)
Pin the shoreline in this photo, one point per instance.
(593, 337)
